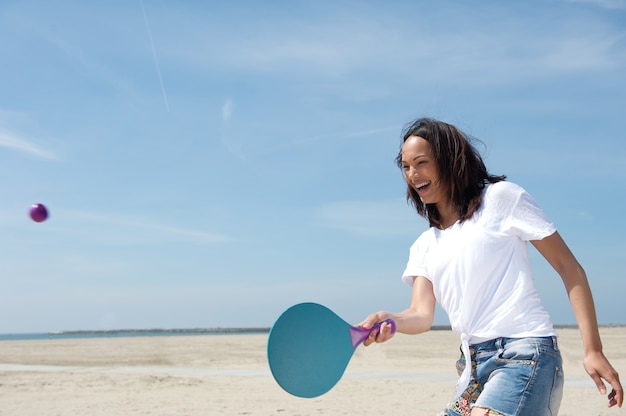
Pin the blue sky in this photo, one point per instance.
(208, 164)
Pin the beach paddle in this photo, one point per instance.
(309, 348)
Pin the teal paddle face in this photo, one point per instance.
(309, 348)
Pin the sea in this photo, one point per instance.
(131, 333)
(120, 333)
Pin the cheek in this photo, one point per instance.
(433, 175)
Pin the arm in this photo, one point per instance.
(416, 319)
(556, 252)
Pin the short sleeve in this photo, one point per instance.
(526, 219)
(416, 266)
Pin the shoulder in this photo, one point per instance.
(517, 211)
(504, 188)
(503, 193)
(424, 240)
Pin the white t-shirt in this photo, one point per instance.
(480, 269)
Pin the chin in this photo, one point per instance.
(427, 200)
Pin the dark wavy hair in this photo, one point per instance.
(462, 172)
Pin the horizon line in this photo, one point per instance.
(214, 330)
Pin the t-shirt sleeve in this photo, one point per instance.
(416, 266)
(526, 219)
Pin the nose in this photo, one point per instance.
(411, 173)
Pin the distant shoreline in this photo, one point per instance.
(191, 331)
(165, 331)
(253, 329)
(127, 333)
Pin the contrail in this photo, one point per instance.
(154, 55)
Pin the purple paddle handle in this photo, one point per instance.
(358, 335)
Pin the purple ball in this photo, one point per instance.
(38, 212)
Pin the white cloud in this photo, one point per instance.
(124, 229)
(15, 142)
(330, 138)
(228, 108)
(504, 49)
(227, 138)
(583, 53)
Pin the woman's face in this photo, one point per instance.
(421, 171)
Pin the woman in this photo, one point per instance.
(473, 260)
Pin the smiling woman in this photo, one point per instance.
(442, 174)
(473, 261)
(172, 143)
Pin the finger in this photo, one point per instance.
(379, 334)
(385, 332)
(599, 383)
(616, 397)
(370, 321)
(370, 338)
(367, 323)
(388, 329)
(375, 334)
(611, 397)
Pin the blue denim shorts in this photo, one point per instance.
(512, 376)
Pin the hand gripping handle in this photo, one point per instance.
(358, 334)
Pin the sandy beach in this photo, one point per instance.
(228, 375)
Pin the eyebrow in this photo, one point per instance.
(416, 157)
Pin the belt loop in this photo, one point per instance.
(499, 343)
(555, 343)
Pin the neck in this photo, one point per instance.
(448, 215)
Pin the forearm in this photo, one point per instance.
(554, 249)
(418, 317)
(581, 299)
(411, 321)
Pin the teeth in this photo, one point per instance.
(421, 185)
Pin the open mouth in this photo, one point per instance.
(422, 186)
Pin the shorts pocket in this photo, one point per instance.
(518, 352)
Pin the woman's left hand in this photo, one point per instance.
(599, 368)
